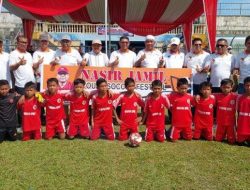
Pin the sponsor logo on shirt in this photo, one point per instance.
(79, 111)
(225, 108)
(104, 109)
(182, 108)
(156, 114)
(54, 107)
(29, 113)
(129, 111)
(203, 112)
(244, 114)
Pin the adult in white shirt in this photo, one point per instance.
(21, 64)
(149, 57)
(43, 56)
(242, 65)
(96, 58)
(4, 64)
(220, 63)
(173, 58)
(123, 58)
(67, 55)
(195, 60)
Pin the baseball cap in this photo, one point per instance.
(63, 70)
(97, 42)
(175, 41)
(44, 37)
(150, 37)
(66, 37)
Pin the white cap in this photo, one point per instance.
(229, 47)
(44, 37)
(175, 41)
(150, 37)
(66, 37)
(97, 42)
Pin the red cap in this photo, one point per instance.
(63, 70)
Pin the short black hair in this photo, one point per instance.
(99, 81)
(156, 83)
(182, 81)
(4, 82)
(222, 40)
(129, 81)
(30, 84)
(196, 39)
(79, 81)
(246, 80)
(205, 84)
(247, 38)
(226, 82)
(52, 80)
(124, 37)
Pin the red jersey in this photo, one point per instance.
(155, 110)
(180, 106)
(226, 109)
(129, 107)
(31, 110)
(54, 108)
(103, 110)
(243, 115)
(79, 109)
(204, 110)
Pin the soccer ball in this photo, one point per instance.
(135, 139)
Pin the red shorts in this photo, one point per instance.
(155, 133)
(124, 130)
(82, 130)
(243, 138)
(108, 130)
(35, 134)
(207, 133)
(51, 130)
(223, 131)
(177, 131)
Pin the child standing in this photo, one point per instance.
(102, 112)
(203, 118)
(31, 110)
(180, 107)
(54, 110)
(79, 111)
(129, 102)
(8, 115)
(154, 113)
(225, 112)
(243, 130)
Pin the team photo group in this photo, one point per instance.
(217, 108)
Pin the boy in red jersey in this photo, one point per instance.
(154, 113)
(31, 109)
(79, 111)
(129, 102)
(243, 130)
(102, 111)
(180, 107)
(55, 115)
(204, 109)
(226, 111)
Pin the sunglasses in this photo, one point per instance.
(220, 46)
(197, 44)
(22, 42)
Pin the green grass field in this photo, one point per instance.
(84, 164)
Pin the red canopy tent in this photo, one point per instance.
(140, 17)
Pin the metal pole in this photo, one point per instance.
(106, 26)
(109, 47)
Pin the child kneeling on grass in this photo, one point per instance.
(79, 111)
(154, 113)
(31, 110)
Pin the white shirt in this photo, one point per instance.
(174, 61)
(221, 67)
(47, 56)
(242, 62)
(5, 69)
(194, 61)
(70, 58)
(24, 73)
(126, 59)
(96, 60)
(152, 58)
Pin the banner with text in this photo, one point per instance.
(114, 76)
